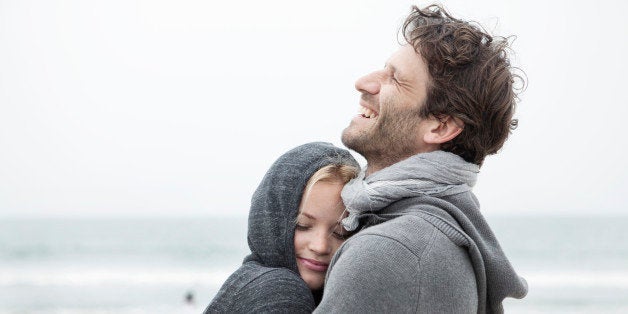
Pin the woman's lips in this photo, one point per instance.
(313, 264)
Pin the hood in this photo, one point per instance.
(495, 276)
(275, 203)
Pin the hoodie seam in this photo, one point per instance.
(428, 250)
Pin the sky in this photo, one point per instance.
(177, 108)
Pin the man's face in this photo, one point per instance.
(387, 128)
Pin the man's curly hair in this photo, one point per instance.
(470, 79)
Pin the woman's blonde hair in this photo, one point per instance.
(341, 173)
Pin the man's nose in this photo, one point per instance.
(368, 84)
(320, 243)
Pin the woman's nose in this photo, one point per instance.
(320, 244)
(368, 84)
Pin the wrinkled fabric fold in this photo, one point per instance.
(435, 174)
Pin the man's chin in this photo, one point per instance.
(354, 140)
(348, 137)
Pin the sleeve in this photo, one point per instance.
(279, 291)
(372, 274)
(380, 274)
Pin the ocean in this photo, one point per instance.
(71, 266)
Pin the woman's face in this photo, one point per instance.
(318, 232)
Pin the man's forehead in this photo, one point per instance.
(404, 60)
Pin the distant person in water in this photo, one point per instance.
(294, 230)
(189, 297)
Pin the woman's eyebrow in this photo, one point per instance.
(308, 215)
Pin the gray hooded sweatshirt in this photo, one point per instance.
(268, 280)
(424, 246)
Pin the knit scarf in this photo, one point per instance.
(436, 173)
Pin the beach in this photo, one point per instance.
(140, 265)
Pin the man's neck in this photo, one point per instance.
(373, 166)
(370, 169)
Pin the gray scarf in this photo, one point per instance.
(435, 174)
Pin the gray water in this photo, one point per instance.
(573, 265)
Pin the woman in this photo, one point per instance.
(294, 230)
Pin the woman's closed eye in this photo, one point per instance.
(339, 236)
(340, 233)
(302, 227)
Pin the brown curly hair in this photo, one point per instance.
(471, 79)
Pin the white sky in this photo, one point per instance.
(177, 108)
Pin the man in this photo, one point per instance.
(443, 102)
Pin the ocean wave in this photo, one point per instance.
(126, 277)
(578, 279)
(215, 277)
(181, 309)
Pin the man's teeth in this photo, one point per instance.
(367, 113)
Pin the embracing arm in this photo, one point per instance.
(277, 291)
(277, 295)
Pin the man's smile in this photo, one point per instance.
(367, 113)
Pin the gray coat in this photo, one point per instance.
(421, 254)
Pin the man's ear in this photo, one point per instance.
(442, 129)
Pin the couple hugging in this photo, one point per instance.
(405, 234)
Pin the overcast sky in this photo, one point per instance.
(177, 108)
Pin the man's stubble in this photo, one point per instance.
(392, 139)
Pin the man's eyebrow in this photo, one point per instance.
(392, 68)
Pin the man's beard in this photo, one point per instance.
(392, 139)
